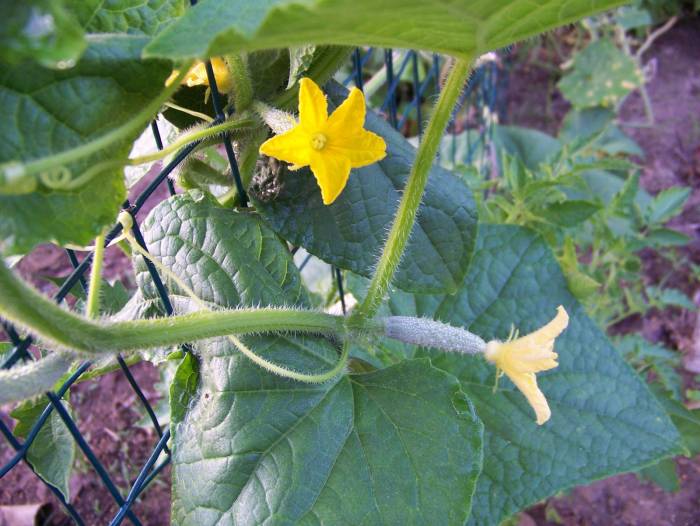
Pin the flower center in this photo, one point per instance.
(318, 141)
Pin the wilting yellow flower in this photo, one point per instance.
(521, 358)
(331, 146)
(197, 75)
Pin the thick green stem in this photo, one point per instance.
(92, 308)
(24, 306)
(259, 360)
(413, 193)
(242, 85)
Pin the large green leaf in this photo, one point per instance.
(53, 451)
(40, 30)
(228, 258)
(50, 111)
(145, 17)
(398, 446)
(355, 450)
(604, 419)
(457, 27)
(351, 232)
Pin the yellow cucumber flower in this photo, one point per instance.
(331, 146)
(521, 358)
(197, 75)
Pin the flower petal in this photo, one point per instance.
(347, 137)
(331, 173)
(196, 76)
(545, 336)
(292, 147)
(527, 384)
(512, 357)
(521, 358)
(221, 74)
(313, 108)
(361, 148)
(349, 117)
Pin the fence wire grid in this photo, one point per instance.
(481, 92)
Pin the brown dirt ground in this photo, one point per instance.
(106, 412)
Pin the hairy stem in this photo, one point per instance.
(242, 85)
(92, 307)
(413, 192)
(24, 306)
(258, 360)
(192, 137)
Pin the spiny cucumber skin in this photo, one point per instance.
(431, 333)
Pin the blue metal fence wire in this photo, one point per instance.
(482, 91)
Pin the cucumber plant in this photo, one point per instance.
(280, 411)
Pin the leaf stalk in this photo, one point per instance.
(413, 192)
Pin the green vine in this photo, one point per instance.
(413, 193)
(197, 135)
(21, 304)
(92, 307)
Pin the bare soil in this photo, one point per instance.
(624, 500)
